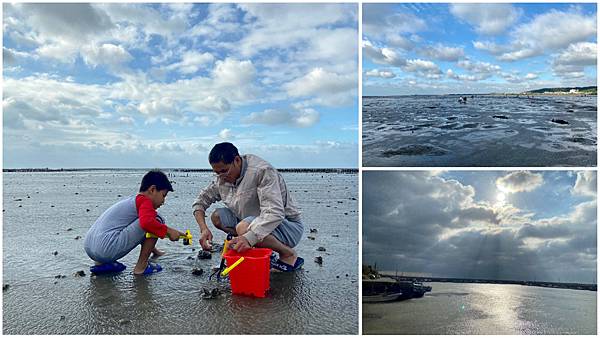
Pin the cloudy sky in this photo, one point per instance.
(434, 48)
(485, 224)
(153, 85)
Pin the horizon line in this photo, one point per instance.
(150, 168)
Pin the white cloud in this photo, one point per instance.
(423, 67)
(491, 47)
(44, 99)
(306, 118)
(281, 26)
(397, 40)
(167, 21)
(62, 52)
(231, 72)
(302, 118)
(334, 46)
(210, 103)
(531, 76)
(571, 62)
(489, 19)
(221, 19)
(519, 54)
(519, 181)
(444, 53)
(585, 183)
(107, 53)
(11, 56)
(383, 22)
(478, 67)
(581, 54)
(225, 134)
(387, 74)
(157, 107)
(550, 31)
(126, 120)
(64, 22)
(463, 77)
(516, 77)
(477, 70)
(384, 56)
(556, 29)
(389, 57)
(320, 82)
(191, 62)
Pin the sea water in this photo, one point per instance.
(469, 309)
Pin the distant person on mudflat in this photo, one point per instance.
(259, 208)
(123, 226)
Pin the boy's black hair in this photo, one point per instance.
(223, 152)
(157, 178)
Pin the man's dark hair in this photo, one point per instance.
(157, 178)
(223, 152)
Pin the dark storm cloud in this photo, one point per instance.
(485, 254)
(418, 222)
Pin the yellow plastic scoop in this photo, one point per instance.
(226, 271)
(187, 238)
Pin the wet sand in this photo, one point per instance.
(487, 131)
(46, 213)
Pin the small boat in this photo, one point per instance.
(381, 290)
(384, 297)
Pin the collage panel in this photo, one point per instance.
(180, 168)
(196, 168)
(479, 85)
(479, 252)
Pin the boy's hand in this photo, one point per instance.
(174, 234)
(205, 239)
(239, 244)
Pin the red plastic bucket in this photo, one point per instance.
(252, 276)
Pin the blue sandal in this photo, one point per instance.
(106, 268)
(152, 268)
(281, 266)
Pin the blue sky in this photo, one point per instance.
(436, 48)
(484, 224)
(157, 85)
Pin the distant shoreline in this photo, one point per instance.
(301, 170)
(556, 91)
(489, 94)
(556, 285)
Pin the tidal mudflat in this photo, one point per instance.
(437, 130)
(46, 216)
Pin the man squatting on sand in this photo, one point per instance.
(259, 209)
(123, 226)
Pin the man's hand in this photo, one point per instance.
(174, 234)
(206, 239)
(239, 244)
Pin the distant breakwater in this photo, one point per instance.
(185, 170)
(559, 285)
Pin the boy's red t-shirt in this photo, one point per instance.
(147, 216)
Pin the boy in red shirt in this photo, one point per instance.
(124, 225)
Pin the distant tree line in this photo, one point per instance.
(591, 90)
